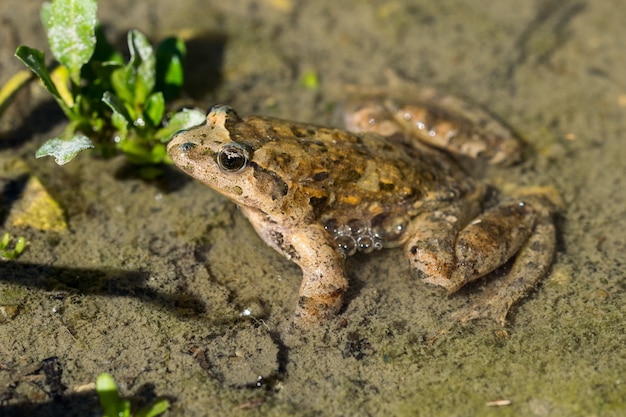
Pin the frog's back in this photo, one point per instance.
(343, 172)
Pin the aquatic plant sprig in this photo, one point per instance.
(114, 406)
(11, 254)
(112, 105)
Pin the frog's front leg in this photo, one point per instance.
(446, 254)
(324, 279)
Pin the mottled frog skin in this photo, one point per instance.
(320, 194)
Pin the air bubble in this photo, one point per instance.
(357, 227)
(366, 244)
(331, 226)
(388, 228)
(344, 229)
(346, 244)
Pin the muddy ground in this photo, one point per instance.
(151, 279)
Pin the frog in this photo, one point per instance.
(393, 177)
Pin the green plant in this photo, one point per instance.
(111, 105)
(114, 406)
(11, 254)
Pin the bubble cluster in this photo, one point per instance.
(365, 237)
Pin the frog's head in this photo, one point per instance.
(221, 154)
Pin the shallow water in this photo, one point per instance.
(152, 281)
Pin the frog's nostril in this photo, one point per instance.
(187, 146)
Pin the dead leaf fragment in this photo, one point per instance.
(37, 209)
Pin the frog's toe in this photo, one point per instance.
(494, 309)
(317, 308)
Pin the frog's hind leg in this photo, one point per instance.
(531, 263)
(448, 257)
(441, 121)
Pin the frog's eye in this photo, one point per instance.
(233, 157)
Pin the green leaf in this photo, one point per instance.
(154, 108)
(35, 61)
(110, 400)
(70, 26)
(134, 82)
(123, 83)
(158, 152)
(11, 254)
(64, 150)
(184, 119)
(120, 117)
(170, 57)
(20, 245)
(135, 152)
(6, 238)
(117, 105)
(120, 123)
(143, 59)
(154, 410)
(96, 75)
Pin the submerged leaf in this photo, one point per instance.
(64, 150)
(70, 25)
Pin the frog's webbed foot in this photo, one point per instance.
(530, 265)
(324, 280)
(522, 229)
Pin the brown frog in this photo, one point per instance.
(320, 194)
